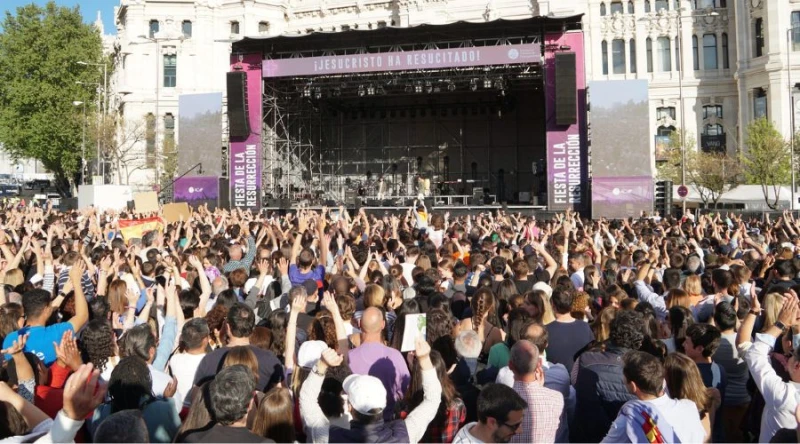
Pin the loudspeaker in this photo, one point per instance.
(131, 205)
(238, 119)
(566, 89)
(224, 193)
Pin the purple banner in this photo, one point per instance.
(621, 197)
(245, 154)
(566, 145)
(198, 188)
(403, 61)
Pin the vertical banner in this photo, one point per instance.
(567, 156)
(245, 154)
(622, 172)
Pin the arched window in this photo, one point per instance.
(604, 50)
(695, 53)
(617, 7)
(618, 55)
(630, 7)
(649, 50)
(710, 51)
(632, 50)
(665, 51)
(665, 130)
(602, 9)
(186, 28)
(647, 6)
(759, 35)
(662, 4)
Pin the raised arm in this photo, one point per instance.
(298, 306)
(81, 306)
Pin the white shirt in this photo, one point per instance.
(464, 436)
(183, 366)
(779, 397)
(407, 268)
(681, 414)
(577, 279)
(160, 382)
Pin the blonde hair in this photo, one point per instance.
(14, 277)
(423, 262)
(242, 354)
(773, 302)
(676, 297)
(693, 286)
(117, 298)
(374, 296)
(602, 323)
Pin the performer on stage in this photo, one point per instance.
(381, 188)
(420, 183)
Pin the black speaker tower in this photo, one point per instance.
(238, 119)
(566, 89)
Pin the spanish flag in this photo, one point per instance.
(136, 228)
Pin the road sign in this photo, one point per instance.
(683, 191)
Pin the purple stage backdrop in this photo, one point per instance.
(197, 188)
(403, 61)
(245, 154)
(567, 170)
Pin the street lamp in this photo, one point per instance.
(156, 41)
(97, 161)
(791, 109)
(105, 107)
(77, 103)
(682, 68)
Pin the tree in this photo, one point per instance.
(39, 48)
(712, 174)
(767, 161)
(120, 144)
(670, 169)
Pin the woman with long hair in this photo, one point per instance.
(676, 297)
(452, 413)
(693, 286)
(482, 305)
(98, 345)
(679, 319)
(274, 418)
(198, 418)
(685, 382)
(772, 306)
(602, 324)
(242, 355)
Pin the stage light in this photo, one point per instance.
(473, 84)
(307, 91)
(418, 87)
(361, 91)
(451, 86)
(428, 86)
(487, 83)
(317, 93)
(371, 90)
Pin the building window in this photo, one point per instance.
(795, 30)
(345, 27)
(263, 27)
(710, 111)
(695, 53)
(665, 131)
(759, 103)
(234, 27)
(604, 47)
(170, 70)
(678, 54)
(602, 9)
(759, 34)
(713, 130)
(381, 24)
(710, 51)
(649, 50)
(665, 51)
(617, 7)
(703, 4)
(725, 62)
(661, 5)
(632, 45)
(153, 28)
(664, 112)
(630, 7)
(150, 140)
(647, 6)
(618, 55)
(186, 27)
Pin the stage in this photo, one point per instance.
(466, 115)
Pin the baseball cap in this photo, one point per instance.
(310, 352)
(365, 393)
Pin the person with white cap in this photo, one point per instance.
(366, 397)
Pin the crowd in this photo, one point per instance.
(241, 327)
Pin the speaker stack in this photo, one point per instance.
(238, 120)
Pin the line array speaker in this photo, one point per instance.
(238, 119)
(566, 89)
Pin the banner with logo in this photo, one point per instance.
(246, 153)
(404, 61)
(567, 158)
(197, 190)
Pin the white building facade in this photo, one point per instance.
(712, 65)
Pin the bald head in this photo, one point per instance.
(536, 334)
(524, 358)
(372, 320)
(235, 252)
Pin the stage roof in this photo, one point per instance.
(394, 36)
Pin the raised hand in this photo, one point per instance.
(83, 392)
(283, 266)
(67, 351)
(17, 346)
(299, 304)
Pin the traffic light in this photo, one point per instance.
(663, 198)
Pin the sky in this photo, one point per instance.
(89, 9)
(618, 92)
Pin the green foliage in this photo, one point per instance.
(767, 161)
(39, 46)
(670, 169)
